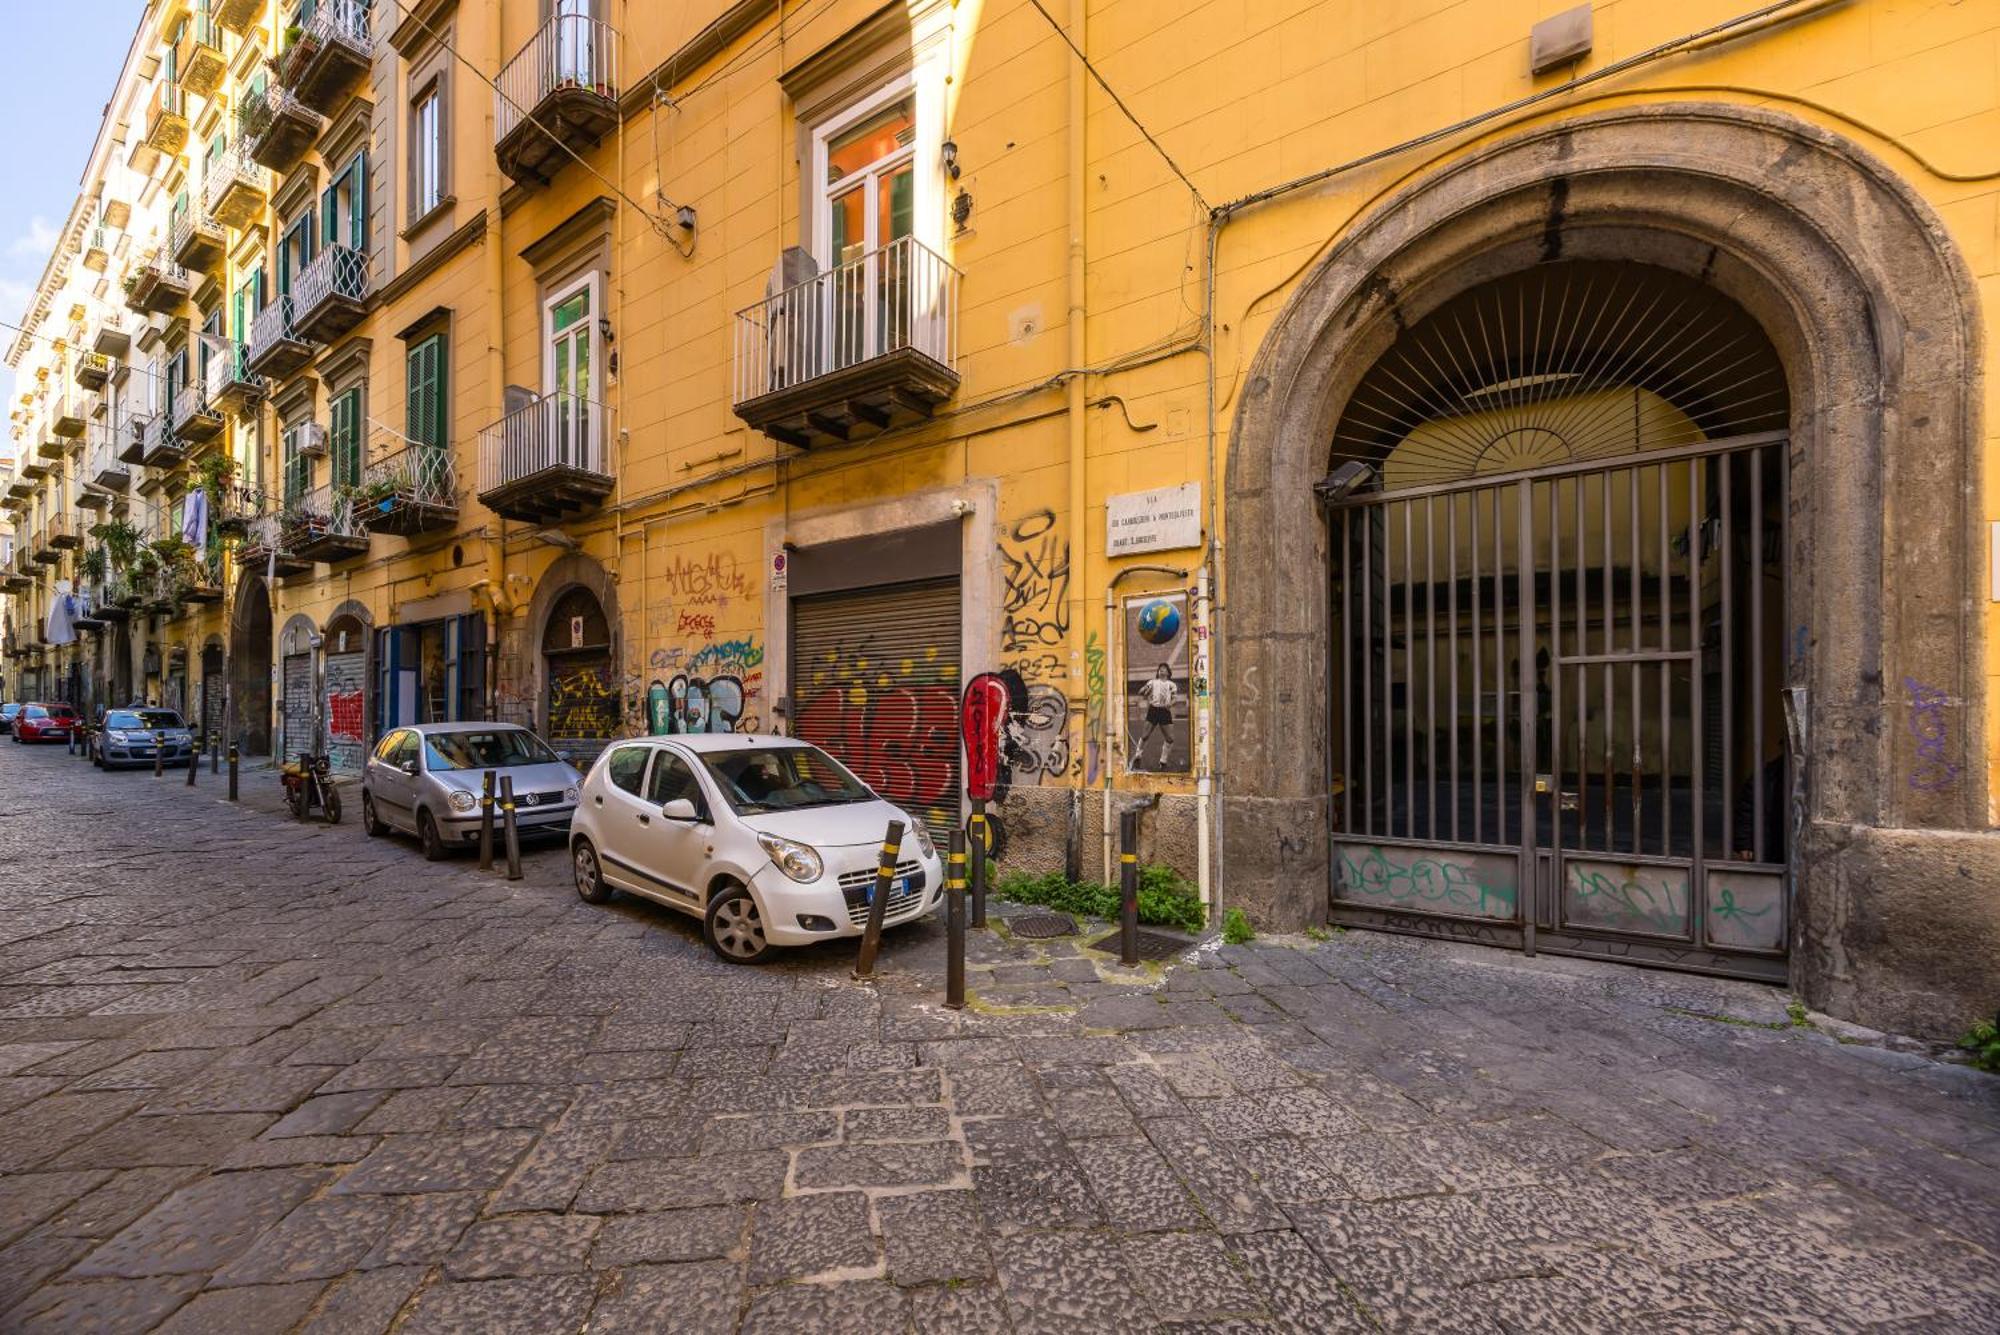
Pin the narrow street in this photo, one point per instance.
(260, 1076)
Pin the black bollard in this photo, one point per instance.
(486, 821)
(954, 919)
(232, 771)
(159, 757)
(978, 841)
(194, 763)
(878, 907)
(1128, 888)
(215, 755)
(513, 834)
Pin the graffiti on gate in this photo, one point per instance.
(888, 715)
(697, 704)
(1093, 709)
(1934, 771)
(1035, 564)
(1470, 883)
(343, 715)
(1628, 899)
(582, 703)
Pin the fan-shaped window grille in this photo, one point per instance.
(1563, 362)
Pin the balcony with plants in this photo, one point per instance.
(167, 118)
(236, 188)
(198, 241)
(409, 493)
(320, 525)
(265, 547)
(200, 57)
(157, 285)
(327, 47)
(191, 574)
(274, 128)
(93, 371)
(869, 345)
(331, 295)
(196, 421)
(277, 348)
(548, 461)
(557, 96)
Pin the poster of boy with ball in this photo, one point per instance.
(1156, 684)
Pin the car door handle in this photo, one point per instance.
(645, 820)
(598, 800)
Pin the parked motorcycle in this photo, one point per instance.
(308, 783)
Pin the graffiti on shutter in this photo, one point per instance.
(298, 721)
(346, 719)
(583, 706)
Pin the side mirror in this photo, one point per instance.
(409, 767)
(679, 809)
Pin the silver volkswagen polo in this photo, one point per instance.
(425, 779)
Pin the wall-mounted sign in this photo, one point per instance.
(780, 572)
(576, 632)
(1153, 521)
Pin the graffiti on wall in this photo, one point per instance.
(1934, 771)
(1093, 708)
(715, 579)
(343, 716)
(698, 704)
(891, 718)
(582, 701)
(1034, 562)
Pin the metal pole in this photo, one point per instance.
(194, 762)
(1128, 888)
(513, 834)
(215, 755)
(232, 771)
(878, 904)
(978, 842)
(159, 756)
(486, 821)
(954, 917)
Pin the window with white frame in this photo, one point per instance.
(427, 149)
(569, 371)
(866, 161)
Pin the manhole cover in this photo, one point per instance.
(1042, 924)
(1152, 945)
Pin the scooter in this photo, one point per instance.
(308, 782)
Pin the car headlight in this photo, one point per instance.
(461, 800)
(571, 793)
(923, 834)
(798, 861)
(119, 737)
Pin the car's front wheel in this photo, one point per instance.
(734, 928)
(371, 822)
(433, 842)
(590, 886)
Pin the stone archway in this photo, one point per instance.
(1874, 317)
(250, 666)
(579, 579)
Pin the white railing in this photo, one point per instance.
(190, 402)
(570, 51)
(266, 535)
(271, 326)
(325, 510)
(337, 271)
(340, 22)
(162, 441)
(903, 295)
(192, 221)
(101, 457)
(230, 368)
(555, 431)
(417, 474)
(258, 112)
(233, 168)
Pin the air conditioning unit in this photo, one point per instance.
(311, 441)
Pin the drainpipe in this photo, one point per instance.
(1114, 718)
(495, 534)
(1079, 546)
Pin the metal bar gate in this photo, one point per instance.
(1557, 709)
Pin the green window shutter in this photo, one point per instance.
(357, 202)
(347, 439)
(427, 392)
(328, 213)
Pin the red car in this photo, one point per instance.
(44, 723)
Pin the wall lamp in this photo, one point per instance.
(684, 218)
(949, 150)
(1343, 481)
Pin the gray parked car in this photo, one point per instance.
(131, 736)
(426, 779)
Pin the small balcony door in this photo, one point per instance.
(867, 170)
(574, 57)
(570, 372)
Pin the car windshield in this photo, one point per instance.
(497, 748)
(9, 710)
(135, 719)
(35, 711)
(783, 779)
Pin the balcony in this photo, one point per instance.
(97, 249)
(275, 128)
(43, 550)
(130, 438)
(157, 594)
(276, 347)
(196, 578)
(50, 448)
(93, 371)
(237, 15)
(199, 243)
(857, 350)
(163, 448)
(559, 92)
(157, 286)
(547, 462)
(63, 533)
(232, 386)
(113, 339)
(127, 592)
(167, 119)
(332, 50)
(196, 421)
(13, 581)
(320, 526)
(107, 600)
(199, 56)
(332, 294)
(236, 188)
(34, 470)
(265, 548)
(412, 492)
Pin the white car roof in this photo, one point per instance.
(725, 741)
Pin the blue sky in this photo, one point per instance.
(56, 71)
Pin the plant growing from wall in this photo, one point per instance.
(1236, 928)
(1983, 1042)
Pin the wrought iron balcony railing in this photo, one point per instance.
(334, 46)
(236, 186)
(267, 547)
(275, 128)
(331, 295)
(276, 347)
(558, 93)
(198, 240)
(412, 491)
(547, 460)
(321, 525)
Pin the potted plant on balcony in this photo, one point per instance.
(93, 565)
(120, 539)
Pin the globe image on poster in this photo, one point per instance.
(1159, 622)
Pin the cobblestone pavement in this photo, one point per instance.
(263, 1076)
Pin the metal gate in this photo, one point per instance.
(1558, 709)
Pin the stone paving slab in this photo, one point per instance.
(291, 1078)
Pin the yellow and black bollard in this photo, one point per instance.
(978, 840)
(954, 918)
(512, 833)
(878, 905)
(486, 821)
(1128, 888)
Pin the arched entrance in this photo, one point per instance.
(1872, 316)
(250, 666)
(580, 705)
(1558, 596)
(344, 688)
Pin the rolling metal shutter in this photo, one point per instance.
(298, 701)
(875, 681)
(343, 709)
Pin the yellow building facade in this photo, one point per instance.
(1505, 471)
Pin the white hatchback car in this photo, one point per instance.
(769, 841)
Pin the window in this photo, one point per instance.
(427, 392)
(671, 781)
(343, 207)
(868, 176)
(427, 149)
(295, 252)
(386, 751)
(344, 429)
(626, 767)
(569, 370)
(298, 465)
